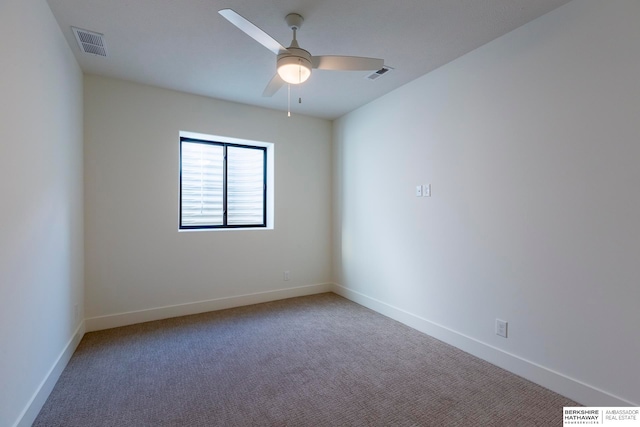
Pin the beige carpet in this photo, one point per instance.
(312, 361)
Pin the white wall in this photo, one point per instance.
(137, 262)
(531, 146)
(41, 243)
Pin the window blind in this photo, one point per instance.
(245, 186)
(222, 185)
(202, 184)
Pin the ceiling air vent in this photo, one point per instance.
(90, 42)
(377, 74)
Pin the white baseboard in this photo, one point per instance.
(133, 317)
(573, 389)
(31, 411)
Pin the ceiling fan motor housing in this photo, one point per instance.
(296, 59)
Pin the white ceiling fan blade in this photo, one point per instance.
(346, 63)
(252, 31)
(274, 85)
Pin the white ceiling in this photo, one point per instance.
(187, 46)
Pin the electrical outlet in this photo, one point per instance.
(286, 276)
(501, 328)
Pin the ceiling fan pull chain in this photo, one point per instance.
(288, 100)
(299, 79)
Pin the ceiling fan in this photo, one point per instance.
(294, 64)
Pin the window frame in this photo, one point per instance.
(225, 143)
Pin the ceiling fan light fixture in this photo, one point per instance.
(294, 69)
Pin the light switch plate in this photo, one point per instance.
(426, 190)
(502, 328)
(418, 190)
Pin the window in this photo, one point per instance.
(222, 184)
